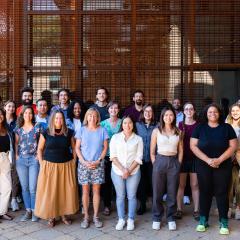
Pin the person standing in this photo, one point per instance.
(26, 140)
(91, 148)
(178, 110)
(135, 110)
(102, 96)
(166, 167)
(57, 184)
(126, 152)
(11, 119)
(234, 120)
(6, 160)
(213, 142)
(187, 126)
(27, 100)
(145, 127)
(112, 126)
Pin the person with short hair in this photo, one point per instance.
(57, 184)
(135, 110)
(101, 103)
(126, 152)
(91, 149)
(178, 110)
(42, 116)
(213, 142)
(27, 99)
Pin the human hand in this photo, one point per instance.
(125, 173)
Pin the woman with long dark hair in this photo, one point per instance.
(26, 140)
(167, 140)
(213, 142)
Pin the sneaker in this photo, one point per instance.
(34, 218)
(178, 214)
(224, 227)
(172, 226)
(156, 225)
(229, 213)
(97, 222)
(14, 205)
(237, 214)
(164, 197)
(203, 224)
(85, 223)
(130, 224)
(186, 200)
(120, 225)
(27, 216)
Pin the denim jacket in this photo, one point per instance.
(145, 133)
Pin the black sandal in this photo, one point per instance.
(178, 214)
(51, 222)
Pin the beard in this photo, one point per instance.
(27, 102)
(139, 102)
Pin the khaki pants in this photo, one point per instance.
(5, 182)
(234, 190)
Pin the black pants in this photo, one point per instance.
(165, 172)
(214, 181)
(145, 185)
(107, 187)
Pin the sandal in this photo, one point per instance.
(51, 222)
(178, 214)
(106, 211)
(66, 221)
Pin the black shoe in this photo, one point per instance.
(141, 210)
(178, 214)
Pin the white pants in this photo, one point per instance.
(5, 182)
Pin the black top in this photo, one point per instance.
(4, 143)
(102, 110)
(58, 147)
(213, 141)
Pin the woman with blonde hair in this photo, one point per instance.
(91, 148)
(57, 185)
(234, 120)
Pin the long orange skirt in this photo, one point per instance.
(57, 192)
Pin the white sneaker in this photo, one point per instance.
(14, 205)
(164, 197)
(172, 226)
(120, 225)
(237, 214)
(186, 200)
(130, 224)
(156, 225)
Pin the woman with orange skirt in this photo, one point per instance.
(57, 186)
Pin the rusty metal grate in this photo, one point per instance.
(167, 48)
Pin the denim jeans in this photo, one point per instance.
(27, 169)
(123, 186)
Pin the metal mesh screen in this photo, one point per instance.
(167, 48)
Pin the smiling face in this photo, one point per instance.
(10, 108)
(58, 120)
(27, 98)
(92, 118)
(189, 110)
(63, 97)
(138, 98)
(213, 114)
(113, 110)
(235, 113)
(101, 95)
(127, 126)
(42, 107)
(148, 114)
(76, 110)
(28, 115)
(168, 117)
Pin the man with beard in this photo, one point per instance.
(135, 110)
(102, 95)
(178, 110)
(27, 99)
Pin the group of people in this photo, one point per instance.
(52, 149)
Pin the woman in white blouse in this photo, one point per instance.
(126, 152)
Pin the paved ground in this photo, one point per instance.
(185, 230)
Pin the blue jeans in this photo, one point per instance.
(123, 186)
(27, 169)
